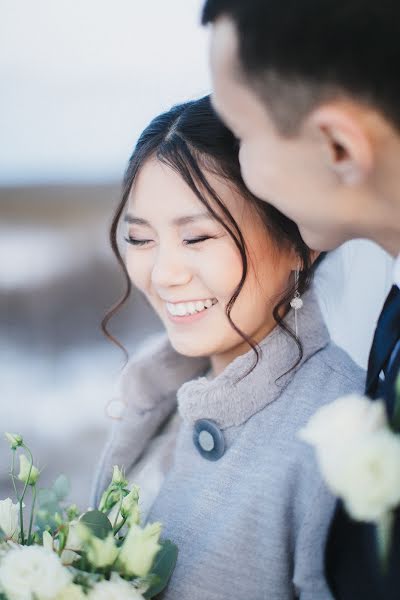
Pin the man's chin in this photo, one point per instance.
(321, 240)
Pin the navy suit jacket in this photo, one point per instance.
(352, 567)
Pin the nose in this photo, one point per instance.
(170, 269)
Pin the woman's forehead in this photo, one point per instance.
(159, 187)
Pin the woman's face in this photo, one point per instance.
(188, 266)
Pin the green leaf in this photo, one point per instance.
(47, 506)
(61, 487)
(84, 578)
(44, 522)
(47, 500)
(98, 523)
(163, 567)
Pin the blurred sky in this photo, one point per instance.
(79, 80)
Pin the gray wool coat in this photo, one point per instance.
(251, 525)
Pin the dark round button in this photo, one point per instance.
(208, 439)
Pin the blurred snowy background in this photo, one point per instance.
(79, 81)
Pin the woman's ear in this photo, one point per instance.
(296, 262)
(344, 133)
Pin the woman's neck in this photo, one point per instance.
(220, 361)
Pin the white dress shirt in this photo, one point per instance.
(396, 271)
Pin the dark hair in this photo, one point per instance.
(322, 48)
(191, 139)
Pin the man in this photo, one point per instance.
(312, 91)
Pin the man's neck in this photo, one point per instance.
(386, 230)
(385, 224)
(390, 243)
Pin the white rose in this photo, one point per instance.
(371, 476)
(102, 553)
(5, 547)
(330, 462)
(139, 549)
(73, 545)
(338, 423)
(32, 571)
(71, 592)
(116, 589)
(28, 473)
(74, 542)
(9, 518)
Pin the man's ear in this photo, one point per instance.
(347, 142)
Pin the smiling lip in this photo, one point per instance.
(189, 318)
(185, 301)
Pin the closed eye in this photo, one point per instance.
(203, 238)
(136, 242)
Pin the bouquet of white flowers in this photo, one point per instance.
(59, 553)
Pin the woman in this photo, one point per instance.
(213, 406)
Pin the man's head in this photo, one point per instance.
(312, 91)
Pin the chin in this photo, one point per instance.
(189, 349)
(320, 240)
(255, 185)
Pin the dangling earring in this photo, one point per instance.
(296, 302)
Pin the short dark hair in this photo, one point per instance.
(191, 139)
(330, 47)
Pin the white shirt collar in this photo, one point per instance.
(396, 271)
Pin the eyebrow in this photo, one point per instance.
(184, 220)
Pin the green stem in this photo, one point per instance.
(21, 515)
(120, 526)
(109, 492)
(13, 475)
(23, 494)
(21, 522)
(32, 513)
(29, 472)
(119, 509)
(62, 538)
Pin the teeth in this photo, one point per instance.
(192, 307)
(189, 308)
(180, 309)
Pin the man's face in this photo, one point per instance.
(292, 173)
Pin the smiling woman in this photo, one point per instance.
(180, 258)
(213, 405)
(186, 160)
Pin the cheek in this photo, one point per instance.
(267, 279)
(139, 270)
(256, 167)
(220, 270)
